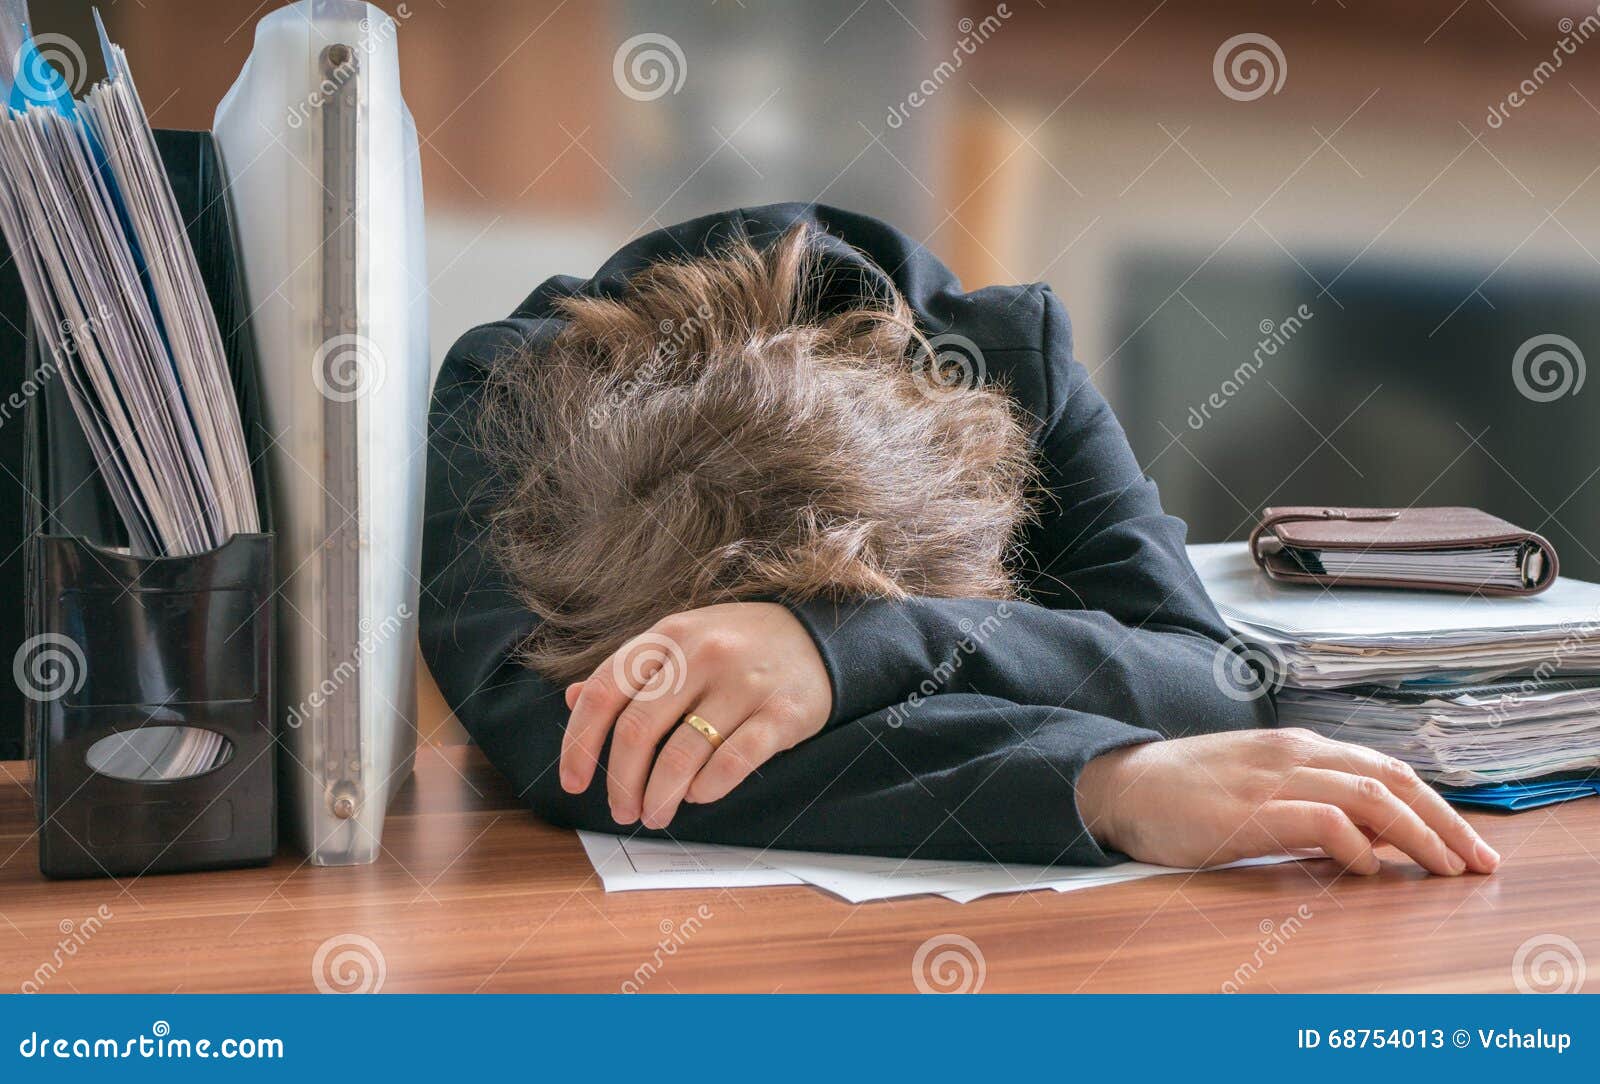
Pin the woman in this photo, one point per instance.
(696, 523)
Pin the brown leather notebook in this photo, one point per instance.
(1432, 549)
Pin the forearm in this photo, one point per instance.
(883, 653)
(957, 777)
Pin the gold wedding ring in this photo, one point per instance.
(705, 728)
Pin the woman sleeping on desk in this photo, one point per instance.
(768, 534)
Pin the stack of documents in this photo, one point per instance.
(1326, 639)
(629, 864)
(1464, 734)
(117, 300)
(1471, 691)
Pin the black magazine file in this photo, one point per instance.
(176, 641)
(13, 493)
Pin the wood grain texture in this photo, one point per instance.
(472, 893)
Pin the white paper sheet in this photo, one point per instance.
(1372, 615)
(626, 864)
(859, 878)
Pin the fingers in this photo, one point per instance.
(1312, 824)
(594, 712)
(757, 741)
(647, 667)
(1367, 802)
(572, 694)
(1399, 779)
(640, 727)
(686, 751)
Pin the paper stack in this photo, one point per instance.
(116, 296)
(1471, 691)
(1464, 735)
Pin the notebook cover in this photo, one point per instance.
(1377, 530)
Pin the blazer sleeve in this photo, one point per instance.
(1117, 624)
(964, 775)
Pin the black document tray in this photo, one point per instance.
(123, 642)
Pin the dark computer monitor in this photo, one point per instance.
(1403, 386)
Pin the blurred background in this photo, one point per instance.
(1401, 199)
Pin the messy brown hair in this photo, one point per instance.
(713, 436)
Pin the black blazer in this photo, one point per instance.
(958, 725)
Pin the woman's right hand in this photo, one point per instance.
(1217, 798)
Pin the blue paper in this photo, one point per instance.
(37, 82)
(1516, 797)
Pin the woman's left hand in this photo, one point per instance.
(749, 669)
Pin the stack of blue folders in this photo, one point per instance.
(1515, 797)
(1496, 701)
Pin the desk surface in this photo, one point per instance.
(472, 893)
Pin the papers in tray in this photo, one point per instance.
(159, 752)
(1323, 639)
(118, 303)
(629, 864)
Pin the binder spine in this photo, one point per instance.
(340, 718)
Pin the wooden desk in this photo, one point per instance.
(474, 894)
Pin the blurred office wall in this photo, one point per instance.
(1420, 177)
